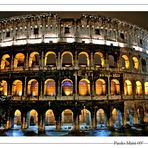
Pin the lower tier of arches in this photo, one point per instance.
(64, 115)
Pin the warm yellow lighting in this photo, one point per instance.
(49, 117)
(33, 117)
(136, 62)
(100, 87)
(50, 58)
(33, 87)
(67, 58)
(146, 88)
(84, 87)
(126, 61)
(128, 87)
(99, 59)
(3, 87)
(67, 86)
(83, 59)
(17, 117)
(19, 60)
(33, 59)
(138, 88)
(115, 87)
(49, 87)
(5, 62)
(17, 88)
(67, 116)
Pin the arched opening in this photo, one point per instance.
(5, 61)
(138, 88)
(67, 87)
(128, 87)
(33, 88)
(99, 59)
(50, 87)
(135, 63)
(34, 59)
(3, 88)
(143, 64)
(19, 60)
(115, 87)
(67, 119)
(85, 119)
(33, 118)
(50, 59)
(17, 88)
(111, 62)
(83, 59)
(116, 118)
(125, 61)
(130, 117)
(100, 87)
(17, 119)
(101, 119)
(84, 87)
(49, 118)
(67, 59)
(146, 88)
(140, 113)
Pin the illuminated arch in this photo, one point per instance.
(126, 63)
(143, 64)
(33, 87)
(116, 118)
(85, 117)
(138, 88)
(33, 116)
(128, 87)
(146, 88)
(5, 61)
(50, 58)
(50, 87)
(67, 59)
(115, 87)
(101, 118)
(84, 87)
(49, 118)
(17, 117)
(34, 59)
(136, 63)
(3, 87)
(19, 60)
(83, 59)
(67, 87)
(17, 88)
(99, 59)
(100, 87)
(67, 116)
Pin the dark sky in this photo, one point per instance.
(138, 18)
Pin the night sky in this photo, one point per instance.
(138, 18)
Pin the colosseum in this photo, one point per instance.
(72, 74)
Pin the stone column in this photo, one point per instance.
(108, 79)
(27, 61)
(76, 86)
(59, 61)
(76, 122)
(92, 61)
(12, 62)
(42, 60)
(58, 123)
(25, 87)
